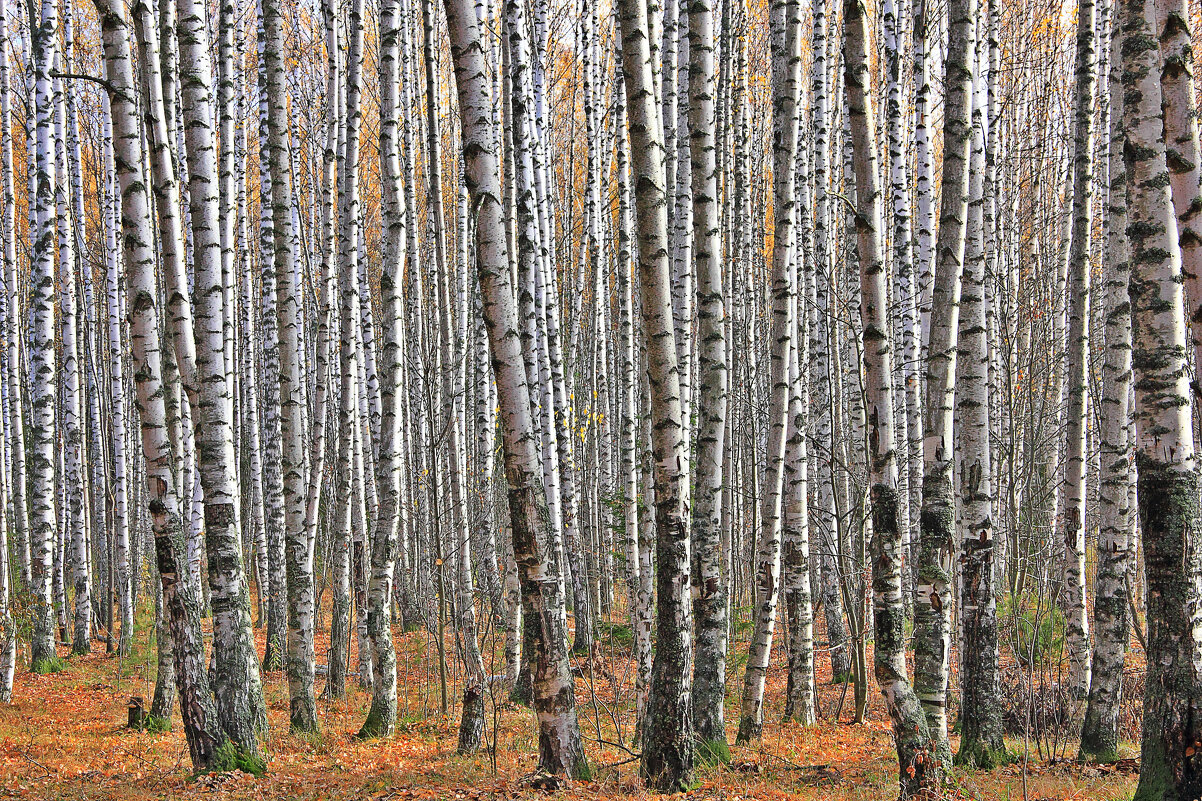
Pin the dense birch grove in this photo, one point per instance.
(710, 350)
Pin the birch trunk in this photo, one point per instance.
(560, 748)
(638, 598)
(1164, 442)
(42, 465)
(299, 553)
(71, 389)
(12, 324)
(933, 591)
(918, 774)
(201, 725)
(240, 704)
(709, 673)
(981, 706)
(1100, 730)
(667, 758)
(785, 24)
(824, 507)
(1076, 364)
(381, 718)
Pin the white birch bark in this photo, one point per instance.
(981, 706)
(1164, 440)
(917, 772)
(201, 725)
(42, 464)
(12, 323)
(298, 552)
(1100, 729)
(236, 685)
(709, 674)
(933, 589)
(667, 758)
(785, 23)
(560, 747)
(1076, 374)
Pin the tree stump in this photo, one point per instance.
(137, 712)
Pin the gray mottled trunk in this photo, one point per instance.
(917, 772)
(933, 590)
(709, 607)
(560, 748)
(1100, 730)
(1164, 442)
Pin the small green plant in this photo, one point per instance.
(53, 664)
(408, 721)
(713, 753)
(155, 725)
(618, 634)
(1037, 627)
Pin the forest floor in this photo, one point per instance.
(65, 737)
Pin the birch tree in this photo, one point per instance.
(709, 673)
(918, 772)
(1100, 729)
(981, 733)
(667, 757)
(201, 726)
(785, 24)
(299, 555)
(560, 747)
(1164, 447)
(933, 593)
(41, 461)
(236, 686)
(1076, 388)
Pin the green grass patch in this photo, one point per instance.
(53, 664)
(617, 634)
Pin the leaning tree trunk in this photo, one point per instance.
(785, 23)
(201, 725)
(933, 591)
(918, 774)
(1164, 440)
(560, 747)
(667, 728)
